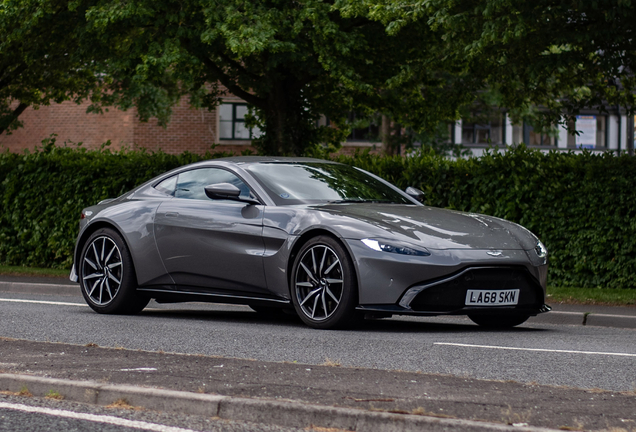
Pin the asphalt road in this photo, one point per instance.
(566, 355)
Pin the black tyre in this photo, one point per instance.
(324, 289)
(107, 275)
(498, 321)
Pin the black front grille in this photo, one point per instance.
(450, 295)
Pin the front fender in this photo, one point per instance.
(134, 220)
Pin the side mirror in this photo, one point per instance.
(415, 193)
(226, 191)
(222, 191)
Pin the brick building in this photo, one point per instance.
(189, 129)
(199, 130)
(194, 130)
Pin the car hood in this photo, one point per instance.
(436, 228)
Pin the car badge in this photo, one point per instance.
(495, 253)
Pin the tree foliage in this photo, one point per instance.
(560, 55)
(291, 61)
(41, 57)
(419, 62)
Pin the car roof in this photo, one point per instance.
(270, 159)
(244, 161)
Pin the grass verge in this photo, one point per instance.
(33, 271)
(592, 296)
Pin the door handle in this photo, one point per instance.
(172, 214)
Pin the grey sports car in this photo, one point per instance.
(326, 240)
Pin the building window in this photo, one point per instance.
(517, 134)
(364, 128)
(537, 138)
(592, 132)
(232, 123)
(485, 130)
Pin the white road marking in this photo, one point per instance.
(43, 302)
(534, 349)
(566, 313)
(94, 418)
(592, 314)
(66, 304)
(247, 307)
(141, 369)
(612, 315)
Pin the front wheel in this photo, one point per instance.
(107, 276)
(324, 289)
(498, 321)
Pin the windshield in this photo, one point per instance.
(316, 182)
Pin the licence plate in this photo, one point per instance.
(492, 298)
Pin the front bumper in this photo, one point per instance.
(449, 293)
(447, 296)
(385, 278)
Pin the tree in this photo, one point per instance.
(419, 62)
(291, 61)
(49, 53)
(41, 59)
(561, 56)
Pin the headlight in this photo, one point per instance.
(540, 249)
(382, 246)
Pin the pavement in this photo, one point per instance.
(322, 397)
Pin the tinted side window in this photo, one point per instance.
(168, 185)
(191, 184)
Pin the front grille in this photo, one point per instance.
(450, 295)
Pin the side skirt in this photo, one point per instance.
(173, 295)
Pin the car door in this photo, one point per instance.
(210, 245)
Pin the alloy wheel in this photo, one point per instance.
(102, 270)
(319, 283)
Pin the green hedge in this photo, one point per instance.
(42, 194)
(582, 206)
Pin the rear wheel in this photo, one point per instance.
(498, 321)
(107, 276)
(324, 287)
